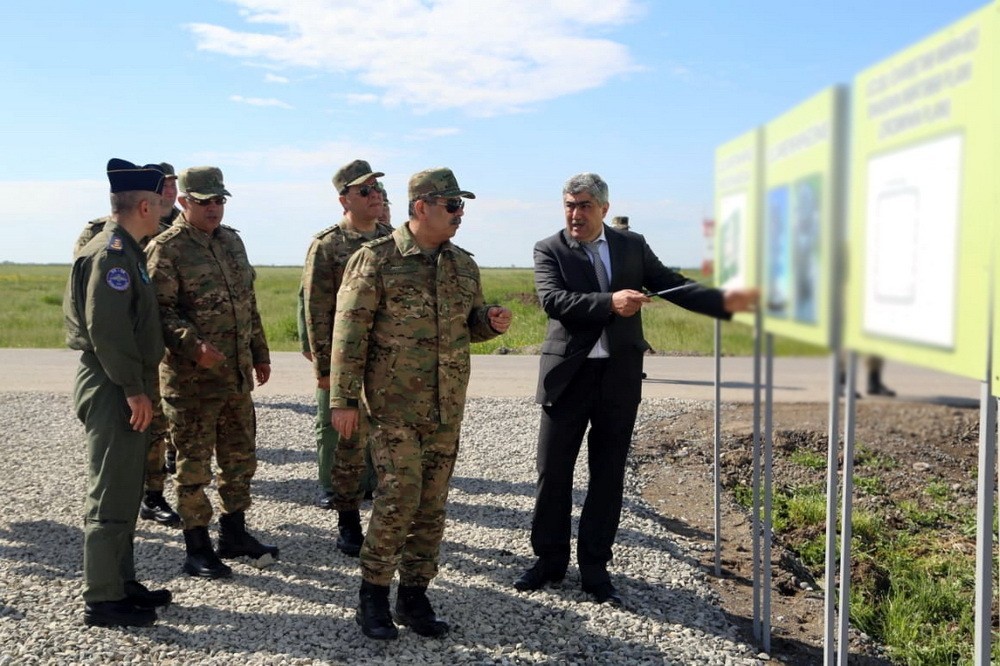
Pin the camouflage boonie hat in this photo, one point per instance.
(439, 182)
(354, 173)
(202, 182)
(168, 170)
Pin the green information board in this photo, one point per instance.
(737, 214)
(803, 218)
(924, 174)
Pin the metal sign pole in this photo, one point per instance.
(717, 448)
(844, 620)
(768, 466)
(755, 478)
(985, 494)
(833, 436)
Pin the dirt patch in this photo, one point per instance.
(904, 451)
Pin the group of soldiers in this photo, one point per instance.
(161, 304)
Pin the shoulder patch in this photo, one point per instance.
(118, 278)
(115, 244)
(382, 240)
(325, 232)
(167, 234)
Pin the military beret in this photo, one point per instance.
(353, 173)
(439, 182)
(202, 182)
(125, 176)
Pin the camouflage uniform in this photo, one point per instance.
(401, 339)
(159, 437)
(339, 462)
(112, 317)
(204, 284)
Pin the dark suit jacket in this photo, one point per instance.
(578, 311)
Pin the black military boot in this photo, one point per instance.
(201, 560)
(117, 614)
(876, 387)
(373, 612)
(155, 507)
(351, 537)
(413, 610)
(235, 541)
(142, 597)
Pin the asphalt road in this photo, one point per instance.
(795, 379)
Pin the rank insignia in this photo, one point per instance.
(118, 279)
(115, 244)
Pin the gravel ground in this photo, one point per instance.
(301, 611)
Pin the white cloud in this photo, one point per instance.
(361, 98)
(428, 133)
(485, 57)
(274, 78)
(260, 101)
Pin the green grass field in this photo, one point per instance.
(32, 314)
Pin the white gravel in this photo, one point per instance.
(301, 611)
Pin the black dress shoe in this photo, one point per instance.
(154, 506)
(325, 500)
(537, 576)
(117, 614)
(605, 593)
(142, 597)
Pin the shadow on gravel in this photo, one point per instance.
(480, 486)
(297, 407)
(46, 548)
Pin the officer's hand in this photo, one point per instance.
(323, 383)
(344, 420)
(208, 355)
(740, 300)
(627, 302)
(142, 411)
(499, 318)
(262, 372)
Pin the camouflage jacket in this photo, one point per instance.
(110, 309)
(321, 277)
(204, 285)
(94, 227)
(403, 326)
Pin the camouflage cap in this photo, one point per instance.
(168, 170)
(202, 182)
(124, 176)
(353, 173)
(439, 182)
(620, 222)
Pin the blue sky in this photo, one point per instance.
(514, 96)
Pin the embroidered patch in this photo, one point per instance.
(115, 244)
(118, 279)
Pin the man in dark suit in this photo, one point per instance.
(589, 278)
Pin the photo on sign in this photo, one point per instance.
(779, 269)
(806, 248)
(733, 213)
(911, 243)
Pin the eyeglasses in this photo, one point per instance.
(365, 190)
(450, 205)
(218, 201)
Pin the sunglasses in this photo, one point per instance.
(450, 205)
(365, 190)
(218, 201)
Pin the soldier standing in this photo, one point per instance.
(215, 348)
(342, 470)
(112, 317)
(154, 505)
(408, 307)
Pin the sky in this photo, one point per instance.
(514, 96)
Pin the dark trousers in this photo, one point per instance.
(589, 399)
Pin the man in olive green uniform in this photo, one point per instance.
(112, 317)
(342, 471)
(408, 307)
(154, 505)
(215, 349)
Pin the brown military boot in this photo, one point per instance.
(413, 610)
(373, 612)
(351, 537)
(235, 541)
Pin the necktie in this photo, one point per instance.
(601, 272)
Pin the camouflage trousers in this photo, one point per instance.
(414, 465)
(159, 443)
(352, 473)
(225, 426)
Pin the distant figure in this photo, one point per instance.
(620, 223)
(874, 364)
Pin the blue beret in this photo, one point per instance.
(127, 177)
